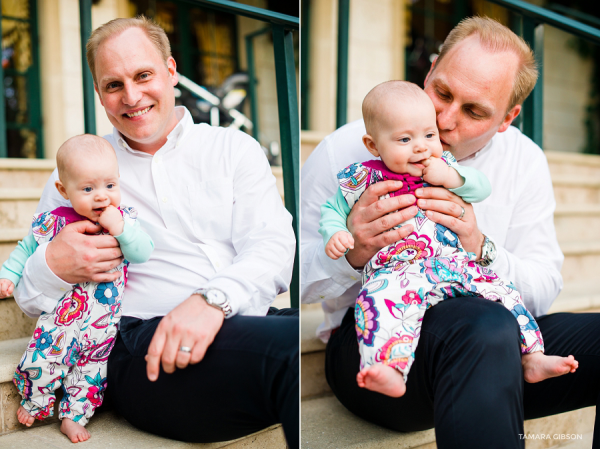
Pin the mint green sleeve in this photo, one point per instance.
(334, 213)
(477, 186)
(13, 268)
(136, 245)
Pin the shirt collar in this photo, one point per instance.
(184, 124)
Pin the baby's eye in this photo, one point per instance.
(405, 140)
(430, 135)
(87, 189)
(110, 186)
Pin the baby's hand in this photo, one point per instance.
(6, 288)
(112, 220)
(338, 244)
(435, 171)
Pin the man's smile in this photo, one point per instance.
(138, 112)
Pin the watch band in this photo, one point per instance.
(223, 306)
(488, 252)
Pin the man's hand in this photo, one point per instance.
(76, 257)
(112, 220)
(369, 220)
(445, 207)
(338, 244)
(6, 288)
(194, 324)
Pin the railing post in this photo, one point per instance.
(342, 69)
(252, 81)
(287, 100)
(533, 108)
(85, 29)
(3, 145)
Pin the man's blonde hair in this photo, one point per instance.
(155, 33)
(372, 106)
(496, 37)
(88, 145)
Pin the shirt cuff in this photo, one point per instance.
(45, 280)
(236, 293)
(341, 272)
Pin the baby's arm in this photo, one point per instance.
(12, 269)
(438, 173)
(473, 185)
(333, 226)
(135, 244)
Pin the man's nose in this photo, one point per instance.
(446, 117)
(131, 94)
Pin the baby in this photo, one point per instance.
(407, 277)
(70, 345)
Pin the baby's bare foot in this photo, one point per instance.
(538, 367)
(24, 417)
(75, 432)
(383, 379)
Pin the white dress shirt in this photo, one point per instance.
(518, 216)
(209, 201)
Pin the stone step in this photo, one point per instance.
(17, 206)
(109, 430)
(563, 163)
(572, 189)
(577, 222)
(582, 259)
(25, 172)
(327, 424)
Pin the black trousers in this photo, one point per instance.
(247, 381)
(467, 379)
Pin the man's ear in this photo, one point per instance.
(99, 96)
(430, 70)
(172, 68)
(370, 144)
(61, 189)
(510, 116)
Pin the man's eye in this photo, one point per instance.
(405, 140)
(473, 113)
(144, 75)
(442, 95)
(112, 85)
(87, 189)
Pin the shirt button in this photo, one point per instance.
(62, 289)
(353, 278)
(164, 199)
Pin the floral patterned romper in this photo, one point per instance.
(70, 346)
(407, 277)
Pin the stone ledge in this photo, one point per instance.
(13, 235)
(580, 248)
(577, 209)
(110, 430)
(575, 181)
(27, 164)
(573, 158)
(20, 193)
(11, 352)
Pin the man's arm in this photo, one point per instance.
(264, 242)
(71, 257)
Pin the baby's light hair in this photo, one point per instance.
(399, 91)
(87, 145)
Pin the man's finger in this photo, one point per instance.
(448, 221)
(383, 207)
(106, 241)
(387, 238)
(199, 351)
(83, 227)
(387, 222)
(441, 206)
(154, 353)
(437, 193)
(183, 357)
(106, 277)
(170, 350)
(374, 191)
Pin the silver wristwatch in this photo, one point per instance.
(215, 298)
(488, 252)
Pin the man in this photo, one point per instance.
(224, 248)
(467, 379)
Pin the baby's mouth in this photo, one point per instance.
(99, 210)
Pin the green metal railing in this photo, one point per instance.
(282, 27)
(342, 69)
(252, 80)
(533, 19)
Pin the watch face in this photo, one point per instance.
(216, 297)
